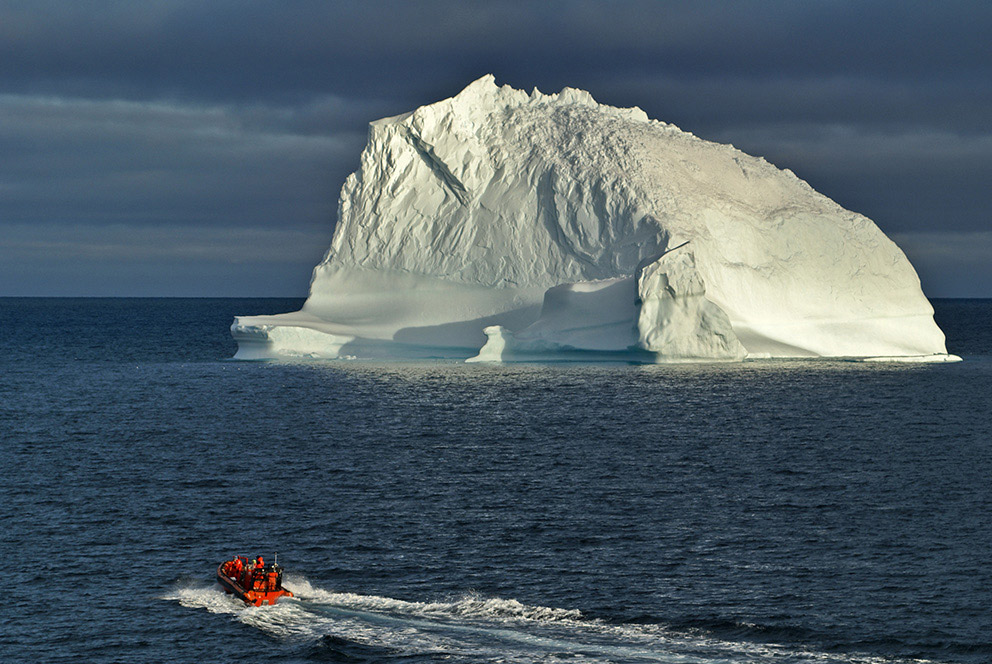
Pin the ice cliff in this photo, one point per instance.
(501, 225)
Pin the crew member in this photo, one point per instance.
(249, 567)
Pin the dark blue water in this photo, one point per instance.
(761, 512)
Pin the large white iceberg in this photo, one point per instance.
(502, 225)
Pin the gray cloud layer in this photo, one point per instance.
(132, 133)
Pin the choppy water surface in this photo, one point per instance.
(762, 512)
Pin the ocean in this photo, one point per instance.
(773, 511)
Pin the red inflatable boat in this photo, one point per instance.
(256, 584)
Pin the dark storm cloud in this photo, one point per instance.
(127, 259)
(264, 49)
(163, 162)
(204, 199)
(203, 117)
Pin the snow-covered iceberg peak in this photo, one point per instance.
(483, 210)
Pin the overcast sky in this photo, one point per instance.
(166, 147)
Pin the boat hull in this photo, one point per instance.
(255, 597)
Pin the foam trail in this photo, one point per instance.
(475, 628)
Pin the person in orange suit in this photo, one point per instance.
(272, 580)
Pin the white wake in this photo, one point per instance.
(478, 628)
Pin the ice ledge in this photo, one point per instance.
(264, 342)
(287, 341)
(913, 359)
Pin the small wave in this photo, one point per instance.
(335, 649)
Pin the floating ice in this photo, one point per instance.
(499, 225)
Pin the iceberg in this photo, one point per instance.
(499, 225)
